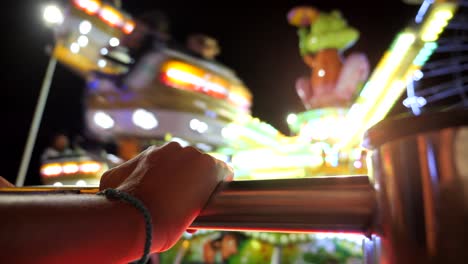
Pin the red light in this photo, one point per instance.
(128, 27)
(185, 80)
(89, 6)
(110, 16)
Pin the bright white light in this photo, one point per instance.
(417, 75)
(238, 99)
(443, 14)
(114, 42)
(321, 73)
(104, 51)
(74, 47)
(58, 184)
(83, 41)
(103, 120)
(357, 164)
(102, 63)
(187, 77)
(51, 170)
(204, 147)
(291, 119)
(81, 183)
(228, 132)
(202, 127)
(109, 16)
(52, 14)
(70, 168)
(199, 126)
(85, 27)
(421, 101)
(183, 143)
(90, 6)
(350, 237)
(194, 124)
(144, 119)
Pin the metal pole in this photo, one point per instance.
(332, 204)
(36, 122)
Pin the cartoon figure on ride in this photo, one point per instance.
(323, 37)
(144, 88)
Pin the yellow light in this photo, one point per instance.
(89, 6)
(185, 76)
(444, 14)
(90, 167)
(278, 174)
(52, 169)
(185, 244)
(387, 102)
(110, 15)
(266, 159)
(70, 168)
(375, 90)
(437, 21)
(239, 99)
(255, 244)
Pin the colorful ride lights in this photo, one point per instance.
(144, 119)
(89, 6)
(70, 168)
(437, 22)
(140, 118)
(106, 13)
(103, 120)
(198, 126)
(425, 53)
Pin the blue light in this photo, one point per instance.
(93, 85)
(422, 11)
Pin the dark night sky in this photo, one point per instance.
(255, 39)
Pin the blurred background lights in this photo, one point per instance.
(144, 119)
(103, 120)
(291, 119)
(114, 42)
(82, 41)
(104, 51)
(75, 47)
(199, 126)
(102, 63)
(52, 14)
(85, 27)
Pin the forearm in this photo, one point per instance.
(68, 229)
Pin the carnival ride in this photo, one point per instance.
(173, 94)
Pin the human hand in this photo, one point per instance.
(173, 182)
(5, 184)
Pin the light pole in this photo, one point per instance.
(52, 15)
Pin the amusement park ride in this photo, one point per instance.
(142, 89)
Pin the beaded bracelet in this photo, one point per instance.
(119, 195)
